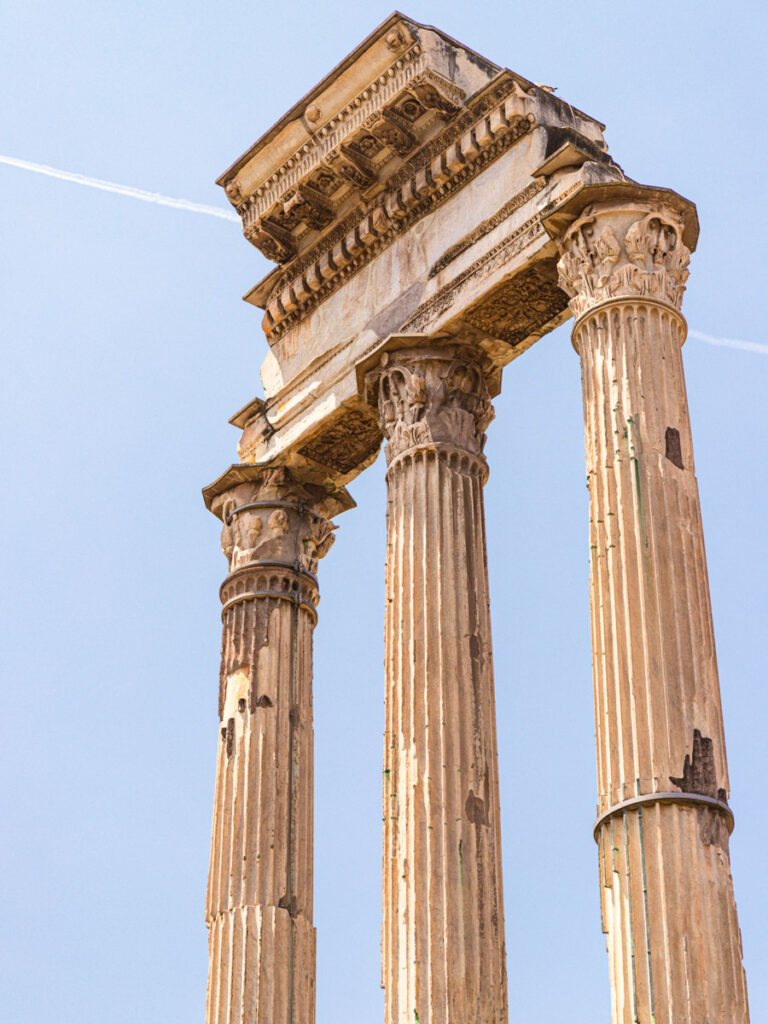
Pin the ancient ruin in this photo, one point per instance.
(431, 215)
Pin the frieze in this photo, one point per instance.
(488, 225)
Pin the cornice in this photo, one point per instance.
(331, 135)
(493, 122)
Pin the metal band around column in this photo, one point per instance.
(294, 505)
(667, 798)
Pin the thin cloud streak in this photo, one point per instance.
(121, 190)
(746, 346)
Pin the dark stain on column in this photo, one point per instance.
(673, 450)
(699, 775)
(290, 904)
(476, 650)
(474, 808)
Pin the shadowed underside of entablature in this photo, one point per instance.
(405, 195)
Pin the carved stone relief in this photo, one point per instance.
(350, 441)
(520, 306)
(605, 257)
(430, 398)
(274, 521)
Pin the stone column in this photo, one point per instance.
(663, 819)
(259, 905)
(443, 927)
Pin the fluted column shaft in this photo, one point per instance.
(443, 923)
(663, 822)
(259, 904)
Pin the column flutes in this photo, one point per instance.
(443, 956)
(663, 825)
(259, 904)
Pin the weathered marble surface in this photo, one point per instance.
(431, 216)
(663, 827)
(438, 230)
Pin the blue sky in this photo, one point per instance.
(126, 347)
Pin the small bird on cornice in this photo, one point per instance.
(546, 88)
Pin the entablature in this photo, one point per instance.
(404, 196)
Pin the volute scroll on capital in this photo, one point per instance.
(435, 397)
(623, 251)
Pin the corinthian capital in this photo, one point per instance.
(433, 397)
(627, 250)
(274, 519)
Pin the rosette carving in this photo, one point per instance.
(611, 252)
(433, 397)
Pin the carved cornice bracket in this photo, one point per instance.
(386, 122)
(492, 123)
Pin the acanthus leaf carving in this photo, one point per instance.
(310, 206)
(611, 253)
(392, 131)
(431, 397)
(437, 93)
(353, 166)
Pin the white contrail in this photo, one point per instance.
(121, 190)
(747, 346)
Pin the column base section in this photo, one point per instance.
(262, 968)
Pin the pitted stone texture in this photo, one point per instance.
(259, 904)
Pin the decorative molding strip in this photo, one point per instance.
(279, 595)
(482, 267)
(488, 225)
